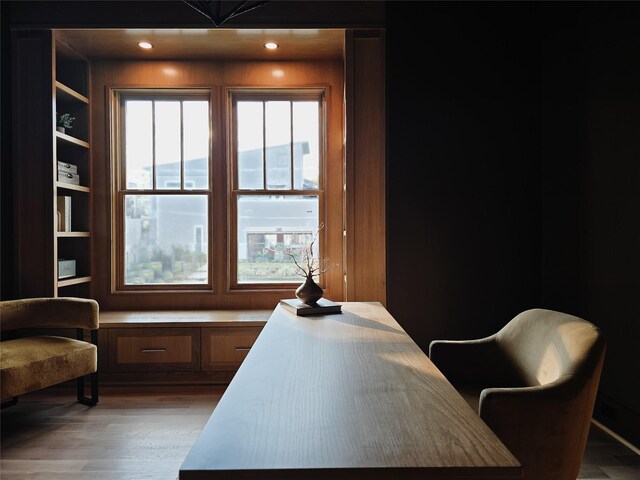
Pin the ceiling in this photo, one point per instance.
(237, 44)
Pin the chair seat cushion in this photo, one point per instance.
(31, 363)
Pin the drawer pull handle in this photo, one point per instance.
(152, 350)
(243, 349)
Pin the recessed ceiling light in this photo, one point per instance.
(145, 45)
(271, 45)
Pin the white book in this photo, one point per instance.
(64, 213)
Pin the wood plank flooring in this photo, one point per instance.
(127, 436)
(146, 435)
(607, 458)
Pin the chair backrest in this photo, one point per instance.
(547, 429)
(545, 345)
(46, 312)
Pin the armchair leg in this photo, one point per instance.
(82, 398)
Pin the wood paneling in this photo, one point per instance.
(214, 75)
(365, 206)
(209, 43)
(463, 180)
(33, 162)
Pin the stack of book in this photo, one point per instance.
(321, 307)
(64, 213)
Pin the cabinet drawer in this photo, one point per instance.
(224, 348)
(154, 349)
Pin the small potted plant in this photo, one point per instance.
(64, 121)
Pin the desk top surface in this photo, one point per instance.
(345, 395)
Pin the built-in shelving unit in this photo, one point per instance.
(73, 148)
(51, 79)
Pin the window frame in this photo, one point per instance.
(233, 94)
(120, 189)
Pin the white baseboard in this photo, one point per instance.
(624, 441)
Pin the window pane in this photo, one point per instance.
(196, 144)
(166, 239)
(268, 227)
(278, 145)
(167, 118)
(139, 144)
(250, 145)
(306, 146)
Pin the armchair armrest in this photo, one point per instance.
(63, 312)
(471, 362)
(494, 402)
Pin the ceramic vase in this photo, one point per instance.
(309, 292)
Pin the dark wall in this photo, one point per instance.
(514, 174)
(591, 165)
(7, 267)
(463, 167)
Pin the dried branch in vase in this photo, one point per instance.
(307, 265)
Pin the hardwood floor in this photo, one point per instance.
(146, 435)
(605, 458)
(127, 436)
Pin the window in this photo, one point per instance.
(163, 189)
(165, 222)
(277, 183)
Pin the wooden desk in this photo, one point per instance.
(347, 395)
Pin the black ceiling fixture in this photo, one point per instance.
(213, 9)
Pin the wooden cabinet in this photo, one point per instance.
(224, 348)
(51, 79)
(154, 349)
(176, 347)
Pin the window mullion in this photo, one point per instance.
(291, 143)
(181, 145)
(153, 145)
(264, 145)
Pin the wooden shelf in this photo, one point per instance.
(70, 186)
(73, 281)
(67, 94)
(68, 138)
(73, 234)
(67, 86)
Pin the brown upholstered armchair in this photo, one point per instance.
(31, 360)
(534, 383)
